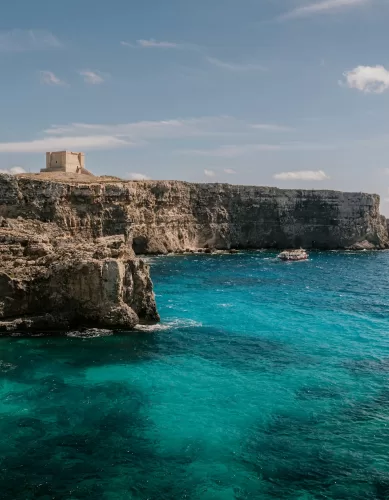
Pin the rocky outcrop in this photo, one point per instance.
(172, 216)
(53, 280)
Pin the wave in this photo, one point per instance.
(169, 325)
(90, 333)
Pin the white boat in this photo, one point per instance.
(293, 255)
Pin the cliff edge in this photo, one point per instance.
(173, 216)
(53, 278)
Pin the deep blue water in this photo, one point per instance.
(265, 380)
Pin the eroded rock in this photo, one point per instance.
(47, 285)
(173, 216)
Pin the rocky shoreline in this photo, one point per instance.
(52, 281)
(68, 250)
(357, 247)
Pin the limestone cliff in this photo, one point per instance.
(171, 216)
(54, 277)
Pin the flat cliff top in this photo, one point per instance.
(77, 179)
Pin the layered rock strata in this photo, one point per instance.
(53, 279)
(172, 216)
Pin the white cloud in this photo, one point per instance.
(13, 170)
(272, 127)
(229, 171)
(49, 78)
(326, 6)
(237, 67)
(135, 176)
(302, 175)
(151, 44)
(209, 173)
(27, 40)
(369, 79)
(64, 143)
(91, 77)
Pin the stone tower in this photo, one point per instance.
(65, 162)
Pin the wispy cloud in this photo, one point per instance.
(63, 143)
(226, 65)
(324, 7)
(145, 130)
(136, 176)
(110, 136)
(151, 44)
(49, 78)
(237, 67)
(91, 77)
(229, 171)
(27, 40)
(368, 79)
(236, 150)
(270, 127)
(13, 170)
(231, 151)
(302, 175)
(209, 173)
(107, 136)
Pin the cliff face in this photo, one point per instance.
(57, 276)
(165, 216)
(173, 215)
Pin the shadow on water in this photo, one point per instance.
(242, 352)
(308, 393)
(332, 454)
(367, 366)
(87, 442)
(73, 439)
(211, 344)
(301, 453)
(375, 408)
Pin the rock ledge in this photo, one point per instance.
(52, 281)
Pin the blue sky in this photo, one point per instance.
(292, 93)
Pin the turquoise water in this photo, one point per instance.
(265, 380)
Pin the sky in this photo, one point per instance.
(287, 93)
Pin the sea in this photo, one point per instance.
(264, 380)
